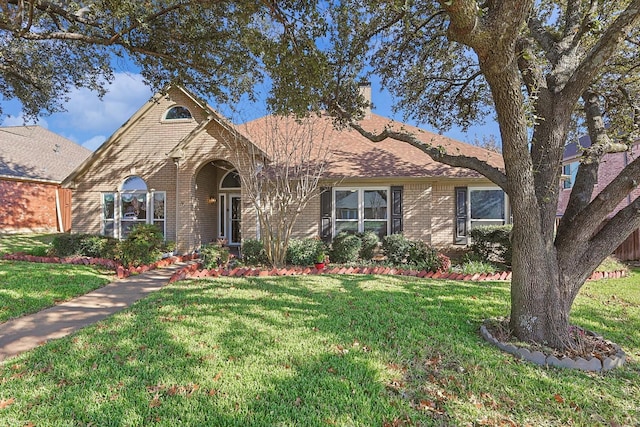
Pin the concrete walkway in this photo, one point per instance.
(27, 332)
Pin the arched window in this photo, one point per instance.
(230, 181)
(177, 112)
(133, 204)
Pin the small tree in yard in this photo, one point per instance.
(286, 159)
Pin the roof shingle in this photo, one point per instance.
(33, 152)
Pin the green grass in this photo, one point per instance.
(29, 287)
(320, 351)
(28, 243)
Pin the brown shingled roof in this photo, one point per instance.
(35, 153)
(354, 156)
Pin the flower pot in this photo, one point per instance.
(319, 265)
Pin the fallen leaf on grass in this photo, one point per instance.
(7, 402)
(558, 398)
(155, 402)
(218, 376)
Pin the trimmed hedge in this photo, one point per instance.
(304, 251)
(492, 243)
(345, 248)
(253, 252)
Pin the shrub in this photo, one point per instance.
(304, 251)
(396, 247)
(370, 242)
(423, 256)
(492, 243)
(96, 246)
(253, 252)
(143, 245)
(345, 248)
(64, 245)
(214, 255)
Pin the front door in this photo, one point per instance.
(235, 218)
(230, 218)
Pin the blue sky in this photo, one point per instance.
(89, 121)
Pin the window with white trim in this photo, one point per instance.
(177, 112)
(132, 205)
(361, 209)
(487, 206)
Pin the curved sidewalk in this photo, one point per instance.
(27, 332)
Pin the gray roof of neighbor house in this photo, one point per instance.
(35, 153)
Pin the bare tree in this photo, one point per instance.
(287, 158)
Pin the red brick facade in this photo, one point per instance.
(29, 206)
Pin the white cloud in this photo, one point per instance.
(95, 142)
(19, 121)
(86, 113)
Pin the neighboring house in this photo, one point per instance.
(33, 163)
(176, 163)
(610, 167)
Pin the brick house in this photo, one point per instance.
(176, 163)
(610, 166)
(33, 163)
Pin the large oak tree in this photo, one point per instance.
(544, 68)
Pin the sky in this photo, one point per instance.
(89, 120)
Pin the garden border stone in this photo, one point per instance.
(593, 364)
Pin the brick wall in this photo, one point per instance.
(28, 207)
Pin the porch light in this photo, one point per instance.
(211, 200)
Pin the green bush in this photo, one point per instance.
(304, 251)
(370, 242)
(64, 245)
(345, 248)
(492, 243)
(423, 256)
(143, 245)
(96, 246)
(214, 255)
(253, 252)
(91, 245)
(396, 247)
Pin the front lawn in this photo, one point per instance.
(320, 351)
(28, 243)
(29, 287)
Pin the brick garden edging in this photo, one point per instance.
(120, 270)
(195, 271)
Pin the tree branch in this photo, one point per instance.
(596, 58)
(585, 222)
(438, 154)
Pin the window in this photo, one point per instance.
(177, 112)
(487, 207)
(569, 171)
(230, 181)
(132, 205)
(108, 214)
(362, 209)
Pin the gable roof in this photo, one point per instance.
(355, 156)
(35, 153)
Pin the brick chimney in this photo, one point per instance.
(365, 91)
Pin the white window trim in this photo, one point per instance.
(505, 220)
(185, 120)
(117, 211)
(360, 220)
